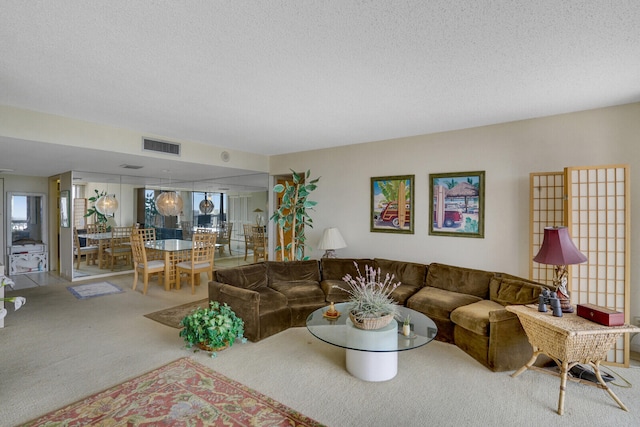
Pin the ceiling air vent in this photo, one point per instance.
(126, 166)
(160, 146)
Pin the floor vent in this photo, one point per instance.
(160, 146)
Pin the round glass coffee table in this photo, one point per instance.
(372, 355)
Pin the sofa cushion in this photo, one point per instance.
(439, 302)
(475, 317)
(253, 276)
(271, 300)
(333, 290)
(459, 279)
(408, 273)
(337, 268)
(514, 291)
(280, 271)
(300, 292)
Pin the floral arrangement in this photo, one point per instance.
(17, 301)
(370, 295)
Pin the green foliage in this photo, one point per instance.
(100, 218)
(470, 225)
(214, 326)
(292, 217)
(370, 295)
(389, 189)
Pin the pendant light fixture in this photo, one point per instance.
(206, 205)
(107, 204)
(169, 203)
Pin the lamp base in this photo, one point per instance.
(565, 302)
(329, 253)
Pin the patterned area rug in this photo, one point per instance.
(91, 290)
(182, 393)
(172, 316)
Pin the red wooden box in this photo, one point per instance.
(601, 315)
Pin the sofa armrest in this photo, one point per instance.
(244, 302)
(501, 315)
(509, 346)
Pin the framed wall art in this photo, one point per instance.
(64, 209)
(392, 204)
(456, 204)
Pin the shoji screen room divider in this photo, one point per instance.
(594, 203)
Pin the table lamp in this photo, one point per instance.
(259, 217)
(331, 240)
(558, 249)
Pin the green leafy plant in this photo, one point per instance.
(99, 217)
(213, 327)
(292, 217)
(407, 320)
(370, 295)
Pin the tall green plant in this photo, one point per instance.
(100, 218)
(292, 217)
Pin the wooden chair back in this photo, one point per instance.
(147, 234)
(248, 239)
(259, 243)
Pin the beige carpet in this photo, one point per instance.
(173, 315)
(57, 349)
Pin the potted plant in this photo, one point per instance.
(100, 218)
(291, 216)
(212, 328)
(371, 305)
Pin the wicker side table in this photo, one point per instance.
(568, 340)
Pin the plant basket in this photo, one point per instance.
(205, 347)
(371, 323)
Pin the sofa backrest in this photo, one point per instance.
(281, 271)
(459, 279)
(337, 268)
(251, 276)
(511, 290)
(408, 273)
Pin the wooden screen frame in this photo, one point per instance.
(595, 205)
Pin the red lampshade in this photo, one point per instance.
(558, 248)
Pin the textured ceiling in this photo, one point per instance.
(275, 77)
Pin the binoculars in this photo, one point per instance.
(549, 298)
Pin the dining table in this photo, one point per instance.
(103, 240)
(174, 251)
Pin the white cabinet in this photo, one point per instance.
(28, 259)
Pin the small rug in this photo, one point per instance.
(172, 316)
(91, 290)
(182, 393)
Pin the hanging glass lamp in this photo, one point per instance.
(107, 204)
(169, 203)
(206, 206)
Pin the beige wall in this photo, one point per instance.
(507, 152)
(34, 126)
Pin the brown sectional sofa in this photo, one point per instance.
(467, 305)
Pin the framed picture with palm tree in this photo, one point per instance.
(392, 204)
(457, 204)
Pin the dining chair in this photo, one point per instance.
(120, 246)
(146, 234)
(202, 254)
(143, 265)
(224, 237)
(89, 251)
(259, 243)
(248, 239)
